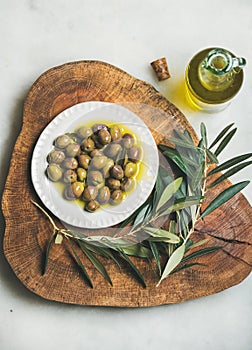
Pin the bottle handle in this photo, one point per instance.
(238, 62)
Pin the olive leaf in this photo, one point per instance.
(186, 266)
(142, 214)
(104, 252)
(163, 234)
(224, 197)
(80, 264)
(197, 179)
(96, 262)
(156, 255)
(182, 143)
(229, 173)
(137, 250)
(221, 135)
(173, 262)
(203, 134)
(184, 136)
(49, 245)
(212, 157)
(183, 203)
(201, 252)
(173, 155)
(169, 192)
(230, 163)
(225, 141)
(134, 268)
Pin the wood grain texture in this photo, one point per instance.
(28, 230)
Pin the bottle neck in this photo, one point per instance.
(216, 72)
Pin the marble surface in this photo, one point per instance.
(37, 35)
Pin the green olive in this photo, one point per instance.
(56, 156)
(74, 190)
(77, 188)
(73, 150)
(98, 144)
(99, 162)
(113, 150)
(134, 153)
(81, 173)
(63, 141)
(115, 133)
(128, 184)
(104, 137)
(96, 153)
(97, 127)
(106, 169)
(117, 172)
(69, 176)
(113, 183)
(128, 140)
(54, 172)
(84, 160)
(88, 145)
(130, 169)
(68, 193)
(84, 132)
(116, 197)
(95, 177)
(103, 195)
(92, 206)
(90, 193)
(70, 163)
(73, 136)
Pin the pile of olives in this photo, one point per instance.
(97, 164)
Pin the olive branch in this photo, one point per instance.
(161, 229)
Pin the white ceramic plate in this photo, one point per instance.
(67, 121)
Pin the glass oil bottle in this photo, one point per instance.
(213, 77)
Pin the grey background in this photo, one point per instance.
(36, 35)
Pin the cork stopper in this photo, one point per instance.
(161, 68)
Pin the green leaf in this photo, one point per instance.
(176, 158)
(48, 253)
(137, 250)
(184, 136)
(158, 232)
(186, 266)
(212, 157)
(96, 262)
(229, 173)
(220, 135)
(199, 243)
(224, 197)
(201, 252)
(203, 133)
(169, 192)
(182, 143)
(134, 268)
(142, 214)
(230, 163)
(181, 205)
(188, 135)
(225, 141)
(197, 179)
(83, 270)
(173, 262)
(156, 255)
(105, 252)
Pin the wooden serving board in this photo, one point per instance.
(28, 230)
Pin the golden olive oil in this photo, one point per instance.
(211, 85)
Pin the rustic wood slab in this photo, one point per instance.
(28, 230)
